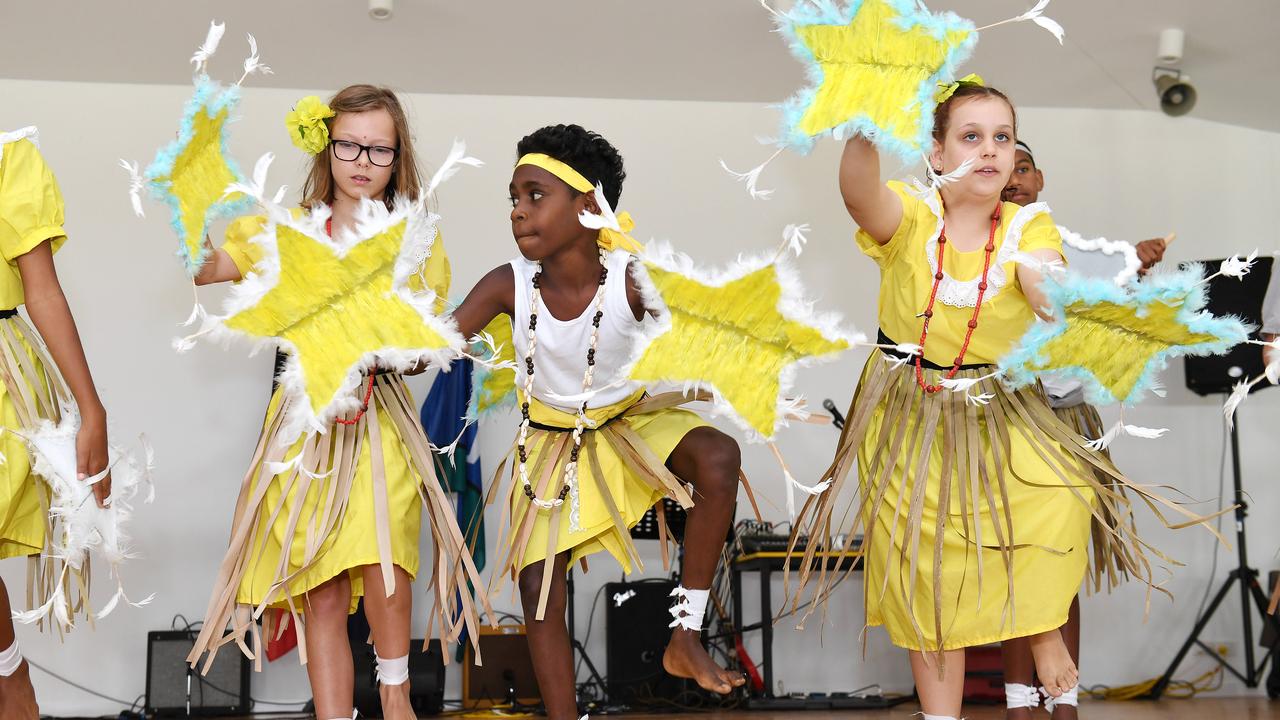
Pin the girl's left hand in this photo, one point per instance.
(92, 456)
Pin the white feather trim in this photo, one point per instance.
(210, 46)
(1035, 15)
(606, 219)
(1237, 267)
(937, 181)
(456, 158)
(794, 239)
(1121, 428)
(135, 185)
(80, 526)
(1132, 264)
(1238, 395)
(253, 64)
(752, 177)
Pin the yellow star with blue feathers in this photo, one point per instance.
(731, 336)
(339, 311)
(1116, 340)
(192, 173)
(876, 65)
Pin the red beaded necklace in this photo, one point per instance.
(977, 308)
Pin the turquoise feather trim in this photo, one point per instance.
(1183, 289)
(826, 12)
(210, 98)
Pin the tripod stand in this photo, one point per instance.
(1250, 590)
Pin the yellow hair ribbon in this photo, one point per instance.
(611, 239)
(946, 91)
(608, 239)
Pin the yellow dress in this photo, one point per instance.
(30, 213)
(605, 479)
(352, 504)
(976, 516)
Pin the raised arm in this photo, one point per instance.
(493, 295)
(873, 206)
(1030, 279)
(51, 314)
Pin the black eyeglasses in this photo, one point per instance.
(379, 155)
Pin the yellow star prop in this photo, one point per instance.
(1117, 341)
(493, 389)
(341, 310)
(192, 174)
(731, 337)
(876, 65)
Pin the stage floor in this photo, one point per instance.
(1194, 709)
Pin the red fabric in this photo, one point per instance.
(288, 640)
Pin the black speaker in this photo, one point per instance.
(1218, 374)
(636, 636)
(426, 679)
(172, 684)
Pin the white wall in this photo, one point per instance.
(1128, 175)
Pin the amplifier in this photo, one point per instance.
(506, 678)
(176, 689)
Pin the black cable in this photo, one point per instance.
(78, 686)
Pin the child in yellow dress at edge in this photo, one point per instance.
(39, 372)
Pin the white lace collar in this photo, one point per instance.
(964, 293)
(29, 131)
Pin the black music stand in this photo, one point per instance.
(1207, 376)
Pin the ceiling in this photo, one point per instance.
(717, 50)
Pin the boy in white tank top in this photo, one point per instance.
(585, 471)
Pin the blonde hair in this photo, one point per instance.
(405, 180)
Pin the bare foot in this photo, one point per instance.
(1053, 663)
(686, 658)
(395, 702)
(17, 697)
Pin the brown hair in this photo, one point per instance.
(405, 181)
(966, 91)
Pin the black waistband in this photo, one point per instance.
(8, 313)
(882, 339)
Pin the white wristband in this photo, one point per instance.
(10, 659)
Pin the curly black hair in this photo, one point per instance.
(585, 151)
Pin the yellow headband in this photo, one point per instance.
(609, 239)
(571, 177)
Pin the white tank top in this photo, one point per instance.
(561, 357)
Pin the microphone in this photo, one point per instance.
(838, 419)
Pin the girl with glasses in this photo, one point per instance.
(361, 148)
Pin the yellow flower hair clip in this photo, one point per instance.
(946, 91)
(306, 125)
